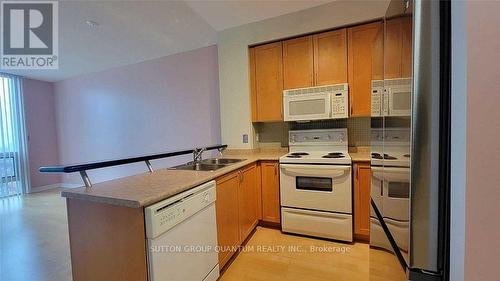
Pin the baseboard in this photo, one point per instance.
(53, 186)
(71, 185)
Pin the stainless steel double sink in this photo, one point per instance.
(211, 164)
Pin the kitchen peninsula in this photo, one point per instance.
(107, 220)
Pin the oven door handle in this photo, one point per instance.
(315, 170)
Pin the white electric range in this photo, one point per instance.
(315, 185)
(390, 187)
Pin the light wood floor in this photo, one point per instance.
(34, 243)
(34, 246)
(350, 262)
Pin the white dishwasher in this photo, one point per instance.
(181, 236)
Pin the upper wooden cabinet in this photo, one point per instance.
(407, 53)
(362, 61)
(398, 48)
(330, 57)
(270, 191)
(266, 82)
(352, 55)
(298, 63)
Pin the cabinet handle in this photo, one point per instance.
(275, 169)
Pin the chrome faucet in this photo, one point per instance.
(197, 154)
(221, 149)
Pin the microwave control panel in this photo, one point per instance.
(340, 104)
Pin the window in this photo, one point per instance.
(12, 138)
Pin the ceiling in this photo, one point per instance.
(226, 14)
(134, 31)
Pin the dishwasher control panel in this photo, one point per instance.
(166, 214)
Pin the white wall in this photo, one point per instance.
(233, 55)
(155, 106)
(458, 139)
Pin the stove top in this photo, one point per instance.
(391, 158)
(390, 147)
(325, 146)
(317, 157)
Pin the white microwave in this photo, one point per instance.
(391, 97)
(316, 103)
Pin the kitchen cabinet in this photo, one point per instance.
(363, 61)
(330, 57)
(407, 45)
(226, 205)
(361, 193)
(398, 48)
(266, 82)
(237, 204)
(270, 191)
(298, 63)
(247, 201)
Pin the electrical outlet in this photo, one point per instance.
(245, 138)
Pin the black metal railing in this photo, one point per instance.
(83, 168)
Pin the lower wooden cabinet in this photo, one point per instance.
(362, 184)
(270, 191)
(247, 201)
(226, 205)
(241, 202)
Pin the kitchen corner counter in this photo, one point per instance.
(148, 188)
(360, 154)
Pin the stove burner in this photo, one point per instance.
(407, 155)
(334, 155)
(294, 156)
(386, 156)
(299, 153)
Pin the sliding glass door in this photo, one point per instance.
(14, 179)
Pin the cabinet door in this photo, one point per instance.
(266, 78)
(392, 49)
(298, 63)
(227, 215)
(407, 47)
(362, 182)
(398, 48)
(247, 201)
(362, 43)
(330, 57)
(270, 192)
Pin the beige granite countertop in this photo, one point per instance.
(360, 154)
(148, 188)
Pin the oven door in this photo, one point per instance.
(399, 101)
(396, 194)
(307, 107)
(316, 187)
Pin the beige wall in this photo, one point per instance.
(233, 55)
(482, 227)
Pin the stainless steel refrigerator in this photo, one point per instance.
(410, 143)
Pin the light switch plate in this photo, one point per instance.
(245, 138)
